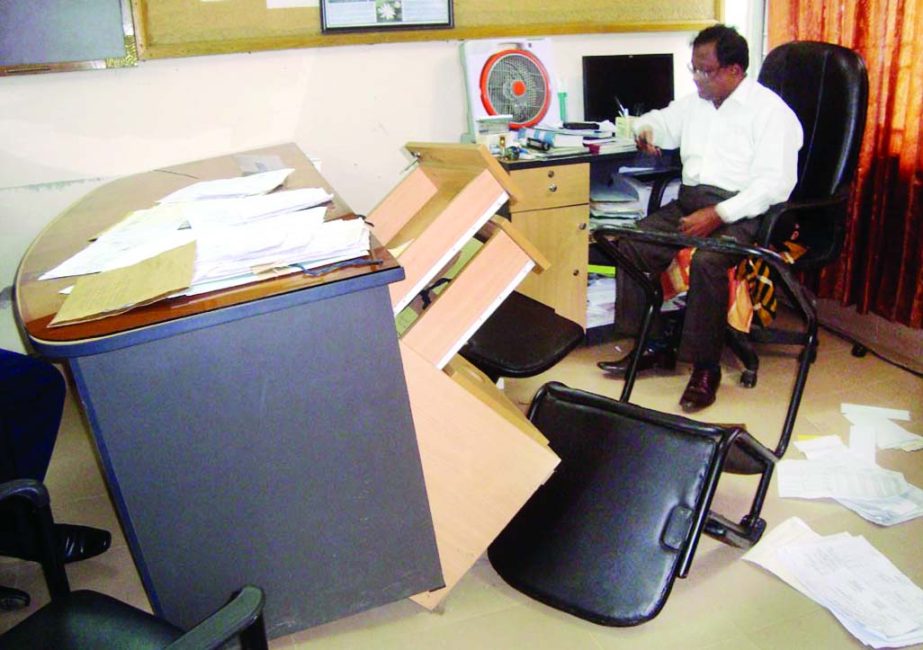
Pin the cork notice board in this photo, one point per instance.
(170, 28)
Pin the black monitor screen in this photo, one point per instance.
(640, 82)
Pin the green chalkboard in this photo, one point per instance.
(56, 35)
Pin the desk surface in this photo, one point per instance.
(37, 301)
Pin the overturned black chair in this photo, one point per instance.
(87, 619)
(607, 535)
(521, 338)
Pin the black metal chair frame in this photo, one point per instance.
(751, 526)
(577, 546)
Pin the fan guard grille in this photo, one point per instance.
(515, 82)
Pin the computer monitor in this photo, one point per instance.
(639, 82)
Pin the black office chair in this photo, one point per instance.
(827, 87)
(87, 619)
(619, 520)
(522, 338)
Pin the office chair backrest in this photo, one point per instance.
(827, 87)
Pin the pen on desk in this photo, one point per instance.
(327, 268)
(618, 105)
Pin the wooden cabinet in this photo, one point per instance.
(554, 214)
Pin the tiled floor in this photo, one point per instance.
(724, 603)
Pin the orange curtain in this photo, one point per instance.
(881, 267)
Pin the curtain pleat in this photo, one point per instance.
(881, 267)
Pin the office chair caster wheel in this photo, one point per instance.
(12, 599)
(748, 378)
(859, 350)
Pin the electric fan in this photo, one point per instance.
(510, 78)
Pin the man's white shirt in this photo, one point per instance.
(748, 145)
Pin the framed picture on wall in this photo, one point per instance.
(361, 15)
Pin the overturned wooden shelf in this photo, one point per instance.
(482, 459)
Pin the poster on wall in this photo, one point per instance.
(360, 15)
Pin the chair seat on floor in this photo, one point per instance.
(86, 619)
(522, 338)
(605, 537)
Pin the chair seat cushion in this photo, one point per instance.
(605, 537)
(522, 338)
(86, 619)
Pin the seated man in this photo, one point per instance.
(739, 146)
(31, 403)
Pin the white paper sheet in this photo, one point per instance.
(877, 603)
(817, 479)
(230, 188)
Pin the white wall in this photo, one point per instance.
(351, 107)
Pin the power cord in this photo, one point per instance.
(859, 349)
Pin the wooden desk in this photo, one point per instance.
(259, 435)
(554, 215)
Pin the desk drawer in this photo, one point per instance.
(552, 187)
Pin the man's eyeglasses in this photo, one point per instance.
(703, 74)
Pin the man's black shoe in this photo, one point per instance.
(701, 389)
(81, 542)
(661, 357)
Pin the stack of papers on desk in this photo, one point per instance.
(146, 233)
(870, 596)
(611, 145)
(234, 236)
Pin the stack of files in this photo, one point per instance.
(850, 476)
(615, 201)
(302, 239)
(611, 145)
(871, 597)
(146, 233)
(230, 234)
(544, 137)
(600, 301)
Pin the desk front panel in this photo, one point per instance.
(276, 450)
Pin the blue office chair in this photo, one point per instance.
(87, 619)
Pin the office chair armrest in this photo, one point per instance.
(744, 441)
(25, 488)
(784, 215)
(799, 295)
(242, 615)
(36, 494)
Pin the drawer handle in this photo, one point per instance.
(576, 272)
(552, 188)
(582, 226)
(550, 173)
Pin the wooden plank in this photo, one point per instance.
(436, 158)
(479, 468)
(456, 224)
(541, 262)
(466, 374)
(400, 205)
(488, 278)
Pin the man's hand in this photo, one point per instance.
(644, 140)
(700, 223)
